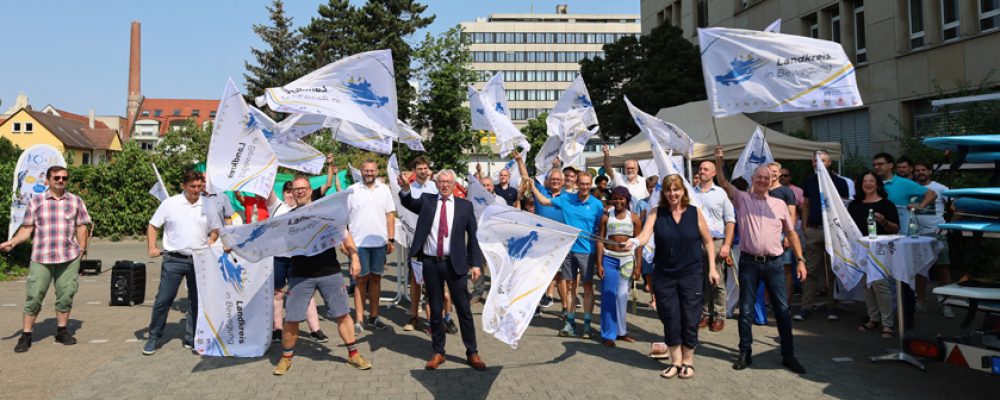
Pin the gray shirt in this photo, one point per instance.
(784, 194)
(217, 209)
(717, 209)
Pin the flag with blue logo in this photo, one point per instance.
(360, 89)
(486, 111)
(159, 190)
(841, 236)
(292, 152)
(235, 304)
(494, 97)
(573, 134)
(547, 154)
(481, 198)
(358, 136)
(523, 252)
(755, 154)
(239, 155)
(668, 135)
(576, 97)
(406, 221)
(749, 71)
(305, 231)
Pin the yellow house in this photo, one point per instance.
(75, 138)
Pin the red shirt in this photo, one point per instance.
(249, 202)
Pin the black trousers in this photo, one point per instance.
(436, 274)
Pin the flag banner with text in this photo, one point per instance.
(306, 231)
(30, 181)
(292, 152)
(523, 252)
(840, 234)
(235, 304)
(749, 71)
(239, 157)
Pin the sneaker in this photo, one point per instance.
(566, 331)
(319, 336)
(276, 336)
(948, 312)
(64, 337)
(284, 364)
(538, 311)
(359, 362)
(412, 324)
(579, 302)
(585, 333)
(450, 325)
(832, 317)
(377, 324)
(546, 301)
(150, 347)
(187, 345)
(802, 315)
(358, 328)
(24, 343)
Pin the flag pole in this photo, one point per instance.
(716, 130)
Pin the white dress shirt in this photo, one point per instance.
(417, 189)
(430, 246)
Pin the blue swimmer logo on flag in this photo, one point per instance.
(232, 273)
(499, 108)
(757, 159)
(741, 69)
(517, 247)
(362, 94)
(481, 200)
(584, 101)
(256, 233)
(481, 111)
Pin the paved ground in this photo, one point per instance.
(107, 362)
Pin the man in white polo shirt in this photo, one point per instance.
(185, 227)
(373, 226)
(634, 182)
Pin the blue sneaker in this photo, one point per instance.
(150, 347)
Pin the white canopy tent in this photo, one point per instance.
(695, 118)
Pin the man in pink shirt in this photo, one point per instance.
(762, 220)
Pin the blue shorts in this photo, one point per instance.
(282, 268)
(372, 260)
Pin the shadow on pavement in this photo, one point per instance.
(45, 329)
(443, 383)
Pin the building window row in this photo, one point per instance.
(530, 76)
(28, 127)
(947, 19)
(176, 113)
(533, 94)
(535, 56)
(520, 114)
(545, 38)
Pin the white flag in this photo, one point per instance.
(358, 136)
(755, 154)
(523, 252)
(298, 125)
(480, 198)
(668, 135)
(841, 235)
(547, 154)
(410, 137)
(239, 157)
(360, 89)
(576, 97)
(774, 27)
(29, 180)
(159, 190)
(751, 71)
(572, 131)
(508, 136)
(406, 224)
(235, 304)
(355, 174)
(292, 152)
(664, 163)
(305, 231)
(493, 96)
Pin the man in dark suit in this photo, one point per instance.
(445, 242)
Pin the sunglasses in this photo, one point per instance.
(60, 178)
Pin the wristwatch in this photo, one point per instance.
(391, 240)
(801, 259)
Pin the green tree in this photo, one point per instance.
(276, 64)
(116, 192)
(659, 70)
(9, 152)
(330, 35)
(537, 133)
(179, 151)
(444, 72)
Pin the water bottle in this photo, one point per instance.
(912, 226)
(871, 224)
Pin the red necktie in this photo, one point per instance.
(442, 227)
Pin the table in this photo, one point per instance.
(901, 258)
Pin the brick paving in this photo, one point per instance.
(107, 362)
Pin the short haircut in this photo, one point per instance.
(445, 171)
(652, 179)
(53, 169)
(885, 156)
(925, 164)
(287, 187)
(370, 161)
(420, 160)
(302, 177)
(904, 159)
(602, 178)
(774, 164)
(192, 175)
(584, 173)
(570, 169)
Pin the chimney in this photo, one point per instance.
(562, 9)
(134, 73)
(91, 119)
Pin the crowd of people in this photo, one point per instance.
(769, 230)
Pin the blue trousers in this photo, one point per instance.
(772, 275)
(614, 299)
(173, 270)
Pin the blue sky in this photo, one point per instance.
(74, 54)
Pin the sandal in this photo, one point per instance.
(888, 333)
(683, 372)
(868, 326)
(670, 367)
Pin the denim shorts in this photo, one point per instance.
(372, 260)
(301, 290)
(578, 265)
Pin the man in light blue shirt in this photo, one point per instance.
(721, 220)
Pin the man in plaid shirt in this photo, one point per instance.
(58, 219)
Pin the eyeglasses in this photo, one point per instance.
(60, 178)
(300, 189)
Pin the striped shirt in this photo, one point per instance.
(55, 221)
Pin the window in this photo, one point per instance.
(195, 113)
(851, 129)
(177, 112)
(835, 24)
(810, 24)
(509, 37)
(145, 113)
(16, 128)
(86, 158)
(989, 14)
(702, 9)
(916, 11)
(560, 38)
(29, 127)
(211, 114)
(859, 31)
(579, 38)
(530, 38)
(949, 19)
(156, 113)
(146, 145)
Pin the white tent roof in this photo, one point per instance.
(695, 118)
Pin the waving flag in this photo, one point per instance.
(406, 224)
(494, 97)
(576, 97)
(481, 198)
(500, 124)
(357, 136)
(774, 27)
(355, 174)
(842, 237)
(523, 252)
(410, 137)
(235, 304)
(570, 126)
(297, 126)
(292, 153)
(514, 171)
(239, 156)
(159, 190)
(755, 154)
(547, 154)
(669, 135)
(305, 231)
(750, 71)
(360, 89)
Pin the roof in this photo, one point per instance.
(101, 139)
(73, 133)
(167, 107)
(81, 118)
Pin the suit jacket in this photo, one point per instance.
(465, 251)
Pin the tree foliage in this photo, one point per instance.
(537, 133)
(659, 70)
(277, 63)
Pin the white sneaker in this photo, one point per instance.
(948, 312)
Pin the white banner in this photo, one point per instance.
(493, 96)
(508, 136)
(755, 154)
(306, 231)
(752, 71)
(410, 137)
(357, 136)
(235, 304)
(360, 89)
(576, 97)
(523, 252)
(239, 157)
(547, 154)
(572, 131)
(668, 135)
(29, 180)
(159, 190)
(480, 198)
(406, 221)
(774, 27)
(292, 152)
(298, 126)
(665, 167)
(840, 234)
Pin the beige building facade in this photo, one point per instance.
(906, 53)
